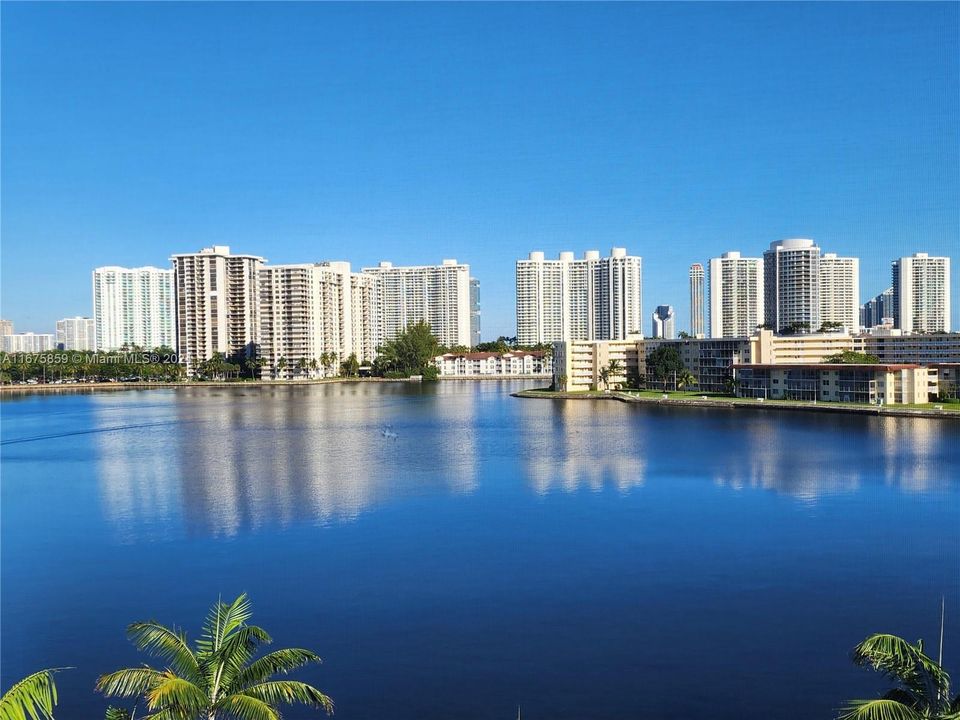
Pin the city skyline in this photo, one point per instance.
(680, 132)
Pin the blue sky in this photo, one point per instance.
(415, 132)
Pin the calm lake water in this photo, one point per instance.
(585, 559)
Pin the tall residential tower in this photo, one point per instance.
(133, 307)
(791, 285)
(696, 299)
(921, 293)
(437, 294)
(218, 305)
(736, 295)
(839, 292)
(592, 298)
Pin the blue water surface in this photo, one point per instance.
(454, 552)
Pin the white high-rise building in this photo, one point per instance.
(218, 305)
(6, 327)
(696, 299)
(76, 333)
(791, 284)
(567, 299)
(474, 312)
(736, 295)
(436, 294)
(663, 325)
(27, 342)
(921, 293)
(312, 313)
(133, 307)
(840, 292)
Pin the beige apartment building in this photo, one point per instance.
(312, 317)
(869, 384)
(217, 305)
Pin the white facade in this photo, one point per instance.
(218, 305)
(436, 294)
(6, 327)
(488, 364)
(77, 333)
(663, 323)
(569, 299)
(840, 291)
(736, 295)
(133, 307)
(921, 293)
(696, 300)
(312, 317)
(791, 283)
(28, 342)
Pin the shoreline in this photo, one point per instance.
(72, 387)
(742, 403)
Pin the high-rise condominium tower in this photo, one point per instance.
(133, 307)
(474, 312)
(839, 292)
(589, 299)
(791, 285)
(921, 293)
(76, 333)
(218, 305)
(6, 327)
(312, 317)
(27, 342)
(873, 312)
(663, 325)
(696, 299)
(736, 295)
(437, 294)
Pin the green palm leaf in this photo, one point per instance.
(33, 697)
(278, 661)
(244, 707)
(130, 682)
(166, 644)
(290, 692)
(879, 710)
(177, 694)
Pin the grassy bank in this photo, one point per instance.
(700, 399)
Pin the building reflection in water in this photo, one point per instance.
(811, 456)
(240, 459)
(573, 445)
(217, 462)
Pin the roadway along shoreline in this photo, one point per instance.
(740, 404)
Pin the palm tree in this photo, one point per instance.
(34, 697)
(614, 368)
(685, 379)
(923, 686)
(605, 376)
(219, 678)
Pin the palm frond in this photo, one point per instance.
(278, 661)
(177, 695)
(879, 710)
(236, 651)
(115, 713)
(290, 691)
(33, 697)
(166, 644)
(129, 682)
(245, 707)
(903, 662)
(223, 619)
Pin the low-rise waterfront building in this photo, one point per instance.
(517, 363)
(894, 346)
(768, 347)
(874, 384)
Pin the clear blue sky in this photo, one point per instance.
(306, 132)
